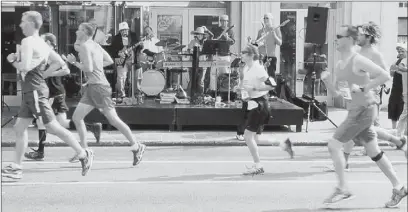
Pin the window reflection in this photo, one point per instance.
(288, 49)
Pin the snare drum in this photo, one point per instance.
(153, 82)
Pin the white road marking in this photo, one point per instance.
(192, 182)
(203, 162)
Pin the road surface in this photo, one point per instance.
(194, 179)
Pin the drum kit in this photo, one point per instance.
(176, 61)
(154, 72)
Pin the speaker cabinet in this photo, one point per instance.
(316, 25)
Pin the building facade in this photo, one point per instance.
(177, 20)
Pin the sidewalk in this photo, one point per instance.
(318, 134)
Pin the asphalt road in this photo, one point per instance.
(194, 179)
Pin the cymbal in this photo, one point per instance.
(179, 47)
(168, 41)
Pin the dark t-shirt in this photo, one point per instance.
(55, 85)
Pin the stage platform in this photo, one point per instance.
(176, 116)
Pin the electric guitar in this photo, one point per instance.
(267, 33)
(127, 52)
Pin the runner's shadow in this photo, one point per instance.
(237, 176)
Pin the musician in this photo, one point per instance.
(268, 44)
(150, 42)
(200, 36)
(125, 39)
(229, 36)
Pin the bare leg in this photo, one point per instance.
(338, 161)
(252, 146)
(375, 153)
(20, 127)
(80, 112)
(114, 120)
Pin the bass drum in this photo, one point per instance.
(153, 82)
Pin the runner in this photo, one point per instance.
(98, 93)
(58, 104)
(356, 71)
(34, 55)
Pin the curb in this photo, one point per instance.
(171, 143)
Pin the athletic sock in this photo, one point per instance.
(258, 165)
(42, 136)
(134, 146)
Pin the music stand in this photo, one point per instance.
(216, 47)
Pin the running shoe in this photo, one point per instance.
(331, 168)
(403, 147)
(240, 137)
(34, 155)
(254, 170)
(74, 159)
(338, 196)
(87, 161)
(396, 197)
(287, 147)
(138, 154)
(12, 172)
(96, 130)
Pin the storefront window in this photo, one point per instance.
(169, 26)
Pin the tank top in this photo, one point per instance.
(97, 76)
(358, 77)
(34, 79)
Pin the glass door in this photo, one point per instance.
(203, 17)
(300, 78)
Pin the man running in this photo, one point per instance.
(34, 55)
(356, 71)
(98, 93)
(57, 101)
(368, 37)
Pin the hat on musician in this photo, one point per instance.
(198, 31)
(402, 46)
(224, 18)
(123, 26)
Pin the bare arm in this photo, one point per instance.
(381, 76)
(56, 63)
(278, 36)
(331, 87)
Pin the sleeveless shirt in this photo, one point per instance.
(349, 75)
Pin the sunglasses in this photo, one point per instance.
(342, 36)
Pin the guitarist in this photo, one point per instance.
(125, 39)
(268, 45)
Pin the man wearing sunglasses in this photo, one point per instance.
(368, 36)
(362, 76)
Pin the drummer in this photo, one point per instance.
(150, 47)
(200, 36)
